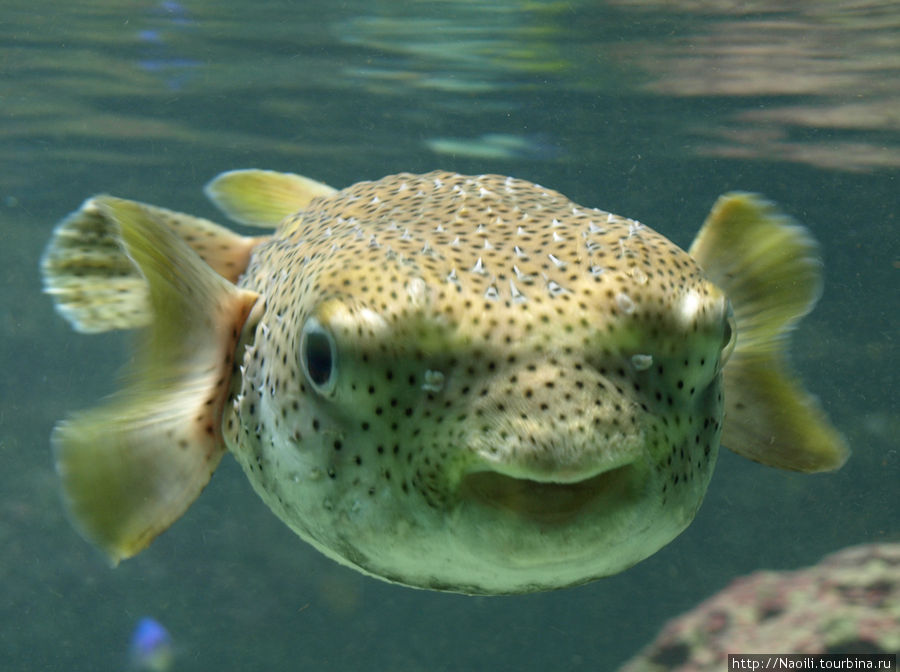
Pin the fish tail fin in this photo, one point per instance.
(96, 286)
(769, 267)
(263, 197)
(133, 465)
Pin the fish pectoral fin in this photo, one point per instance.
(225, 251)
(769, 267)
(263, 197)
(96, 287)
(132, 466)
(770, 418)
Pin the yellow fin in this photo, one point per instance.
(225, 251)
(263, 197)
(94, 284)
(769, 267)
(133, 465)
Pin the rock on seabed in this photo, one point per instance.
(848, 603)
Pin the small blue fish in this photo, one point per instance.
(151, 647)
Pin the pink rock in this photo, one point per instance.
(848, 603)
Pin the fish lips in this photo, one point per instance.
(539, 534)
(536, 492)
(548, 503)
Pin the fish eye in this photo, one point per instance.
(318, 355)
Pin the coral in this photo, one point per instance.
(848, 603)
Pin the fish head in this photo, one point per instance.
(473, 384)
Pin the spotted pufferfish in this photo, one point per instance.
(462, 383)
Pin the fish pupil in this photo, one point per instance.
(319, 360)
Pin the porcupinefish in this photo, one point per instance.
(467, 384)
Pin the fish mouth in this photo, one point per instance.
(549, 502)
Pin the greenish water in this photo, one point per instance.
(644, 111)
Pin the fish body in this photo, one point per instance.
(463, 383)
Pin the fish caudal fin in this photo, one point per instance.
(770, 269)
(94, 283)
(263, 197)
(131, 466)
